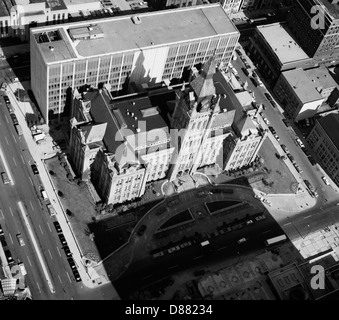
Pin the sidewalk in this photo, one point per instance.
(39, 156)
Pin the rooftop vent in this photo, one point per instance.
(137, 130)
(135, 118)
(51, 48)
(132, 114)
(136, 19)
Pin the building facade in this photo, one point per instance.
(315, 24)
(69, 56)
(323, 139)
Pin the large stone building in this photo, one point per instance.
(324, 141)
(143, 49)
(315, 24)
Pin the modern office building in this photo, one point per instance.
(126, 51)
(273, 50)
(315, 25)
(324, 141)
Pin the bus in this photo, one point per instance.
(255, 20)
(275, 240)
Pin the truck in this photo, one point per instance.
(4, 177)
(18, 129)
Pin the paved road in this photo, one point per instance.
(26, 189)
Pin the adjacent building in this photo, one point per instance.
(315, 24)
(324, 141)
(273, 49)
(302, 92)
(125, 52)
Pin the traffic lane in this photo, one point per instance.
(29, 195)
(143, 272)
(14, 225)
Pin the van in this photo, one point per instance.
(44, 194)
(4, 177)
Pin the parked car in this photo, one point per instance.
(76, 275)
(173, 203)
(300, 143)
(67, 251)
(62, 239)
(273, 104)
(9, 257)
(277, 137)
(249, 222)
(268, 96)
(71, 263)
(1, 231)
(245, 71)
(14, 119)
(238, 52)
(285, 148)
(141, 230)
(290, 157)
(6, 100)
(261, 217)
(285, 122)
(254, 81)
(57, 227)
(266, 121)
(325, 180)
(242, 240)
(20, 239)
(298, 168)
(34, 169)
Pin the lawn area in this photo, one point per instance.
(282, 178)
(78, 200)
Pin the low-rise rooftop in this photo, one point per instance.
(302, 85)
(330, 124)
(282, 43)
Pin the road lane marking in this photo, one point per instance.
(195, 258)
(40, 204)
(14, 138)
(31, 181)
(58, 251)
(29, 261)
(2, 214)
(38, 287)
(31, 205)
(69, 278)
(6, 119)
(308, 217)
(150, 275)
(10, 209)
(5, 164)
(222, 248)
(286, 224)
(10, 237)
(50, 254)
(40, 229)
(36, 247)
(49, 227)
(23, 159)
(267, 231)
(14, 162)
(59, 279)
(6, 140)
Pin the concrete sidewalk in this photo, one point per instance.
(39, 155)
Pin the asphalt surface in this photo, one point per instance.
(26, 189)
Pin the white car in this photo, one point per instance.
(277, 137)
(242, 240)
(300, 143)
(325, 180)
(266, 121)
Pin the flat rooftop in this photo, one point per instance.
(321, 77)
(156, 29)
(282, 43)
(302, 85)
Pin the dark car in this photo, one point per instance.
(62, 239)
(238, 52)
(254, 81)
(285, 122)
(68, 252)
(141, 230)
(57, 226)
(245, 71)
(274, 105)
(272, 130)
(14, 119)
(6, 100)
(71, 263)
(268, 96)
(285, 148)
(1, 231)
(173, 203)
(9, 257)
(3, 242)
(76, 275)
(34, 169)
